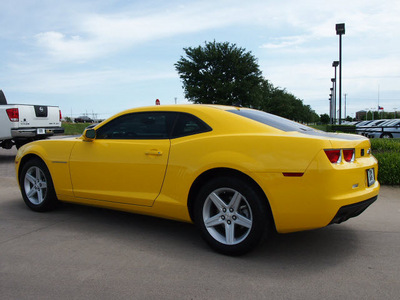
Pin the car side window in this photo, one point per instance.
(142, 125)
(187, 124)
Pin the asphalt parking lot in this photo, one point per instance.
(79, 252)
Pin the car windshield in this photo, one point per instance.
(272, 120)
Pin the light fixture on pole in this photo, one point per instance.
(340, 30)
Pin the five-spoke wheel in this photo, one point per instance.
(232, 215)
(227, 216)
(36, 186)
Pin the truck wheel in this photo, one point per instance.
(37, 186)
(232, 217)
(19, 144)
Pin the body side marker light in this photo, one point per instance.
(292, 174)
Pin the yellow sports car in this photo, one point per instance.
(237, 173)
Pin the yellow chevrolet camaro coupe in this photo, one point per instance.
(237, 173)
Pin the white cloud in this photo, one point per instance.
(284, 42)
(102, 34)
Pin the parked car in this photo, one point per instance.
(371, 129)
(390, 129)
(23, 123)
(361, 129)
(237, 173)
(83, 119)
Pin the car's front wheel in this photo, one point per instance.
(232, 215)
(37, 186)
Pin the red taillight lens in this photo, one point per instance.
(60, 115)
(334, 156)
(13, 114)
(348, 155)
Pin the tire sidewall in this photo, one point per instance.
(257, 203)
(50, 200)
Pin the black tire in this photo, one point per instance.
(37, 187)
(238, 223)
(386, 136)
(19, 144)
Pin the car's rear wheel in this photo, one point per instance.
(386, 136)
(232, 215)
(37, 186)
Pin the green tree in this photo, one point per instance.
(349, 119)
(325, 119)
(279, 102)
(220, 73)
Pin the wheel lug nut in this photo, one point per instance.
(231, 209)
(234, 217)
(229, 222)
(224, 209)
(223, 217)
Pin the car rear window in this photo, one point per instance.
(271, 120)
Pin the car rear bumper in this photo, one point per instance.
(353, 210)
(34, 132)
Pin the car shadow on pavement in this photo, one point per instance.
(313, 250)
(118, 233)
(6, 158)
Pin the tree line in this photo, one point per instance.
(222, 73)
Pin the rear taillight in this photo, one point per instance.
(334, 155)
(60, 115)
(348, 155)
(13, 114)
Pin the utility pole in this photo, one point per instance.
(340, 30)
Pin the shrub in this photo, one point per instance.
(385, 145)
(341, 128)
(387, 152)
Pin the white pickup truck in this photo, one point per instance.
(21, 123)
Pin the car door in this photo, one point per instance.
(126, 162)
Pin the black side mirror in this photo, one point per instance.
(90, 134)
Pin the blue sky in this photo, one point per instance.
(106, 56)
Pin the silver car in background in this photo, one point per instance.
(363, 127)
(389, 129)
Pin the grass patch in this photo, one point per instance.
(387, 152)
(74, 128)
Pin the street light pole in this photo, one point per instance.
(333, 100)
(340, 30)
(330, 107)
(334, 80)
